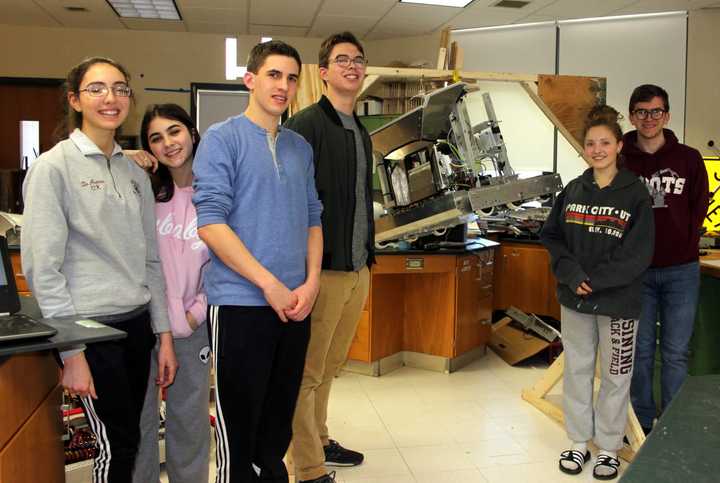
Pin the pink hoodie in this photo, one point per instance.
(183, 256)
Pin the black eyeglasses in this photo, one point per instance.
(345, 60)
(642, 114)
(98, 89)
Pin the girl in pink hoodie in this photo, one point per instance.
(169, 134)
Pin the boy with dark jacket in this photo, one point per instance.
(343, 177)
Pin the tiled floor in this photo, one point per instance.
(470, 426)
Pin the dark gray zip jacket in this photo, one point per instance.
(335, 178)
(604, 237)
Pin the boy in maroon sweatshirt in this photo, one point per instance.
(677, 180)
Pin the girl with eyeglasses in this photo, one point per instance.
(170, 135)
(89, 250)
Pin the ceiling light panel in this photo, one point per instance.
(441, 3)
(156, 9)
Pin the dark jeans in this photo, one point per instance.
(670, 297)
(259, 362)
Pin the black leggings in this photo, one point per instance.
(120, 370)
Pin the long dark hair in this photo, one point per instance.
(71, 118)
(162, 181)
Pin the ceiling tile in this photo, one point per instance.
(283, 12)
(215, 28)
(22, 12)
(214, 15)
(152, 24)
(356, 8)
(325, 25)
(387, 18)
(486, 17)
(533, 6)
(234, 4)
(277, 30)
(567, 9)
(405, 20)
(99, 14)
(388, 34)
(649, 6)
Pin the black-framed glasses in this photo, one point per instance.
(345, 60)
(643, 114)
(98, 89)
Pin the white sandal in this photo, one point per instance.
(573, 456)
(605, 461)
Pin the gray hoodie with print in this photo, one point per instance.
(88, 238)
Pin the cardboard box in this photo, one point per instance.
(512, 344)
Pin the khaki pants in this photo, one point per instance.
(333, 323)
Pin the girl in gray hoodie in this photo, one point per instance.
(600, 237)
(89, 251)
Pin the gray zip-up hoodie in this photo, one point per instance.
(88, 237)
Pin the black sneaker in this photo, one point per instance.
(336, 455)
(329, 478)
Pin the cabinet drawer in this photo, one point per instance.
(414, 264)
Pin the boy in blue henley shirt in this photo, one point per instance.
(259, 213)
(266, 197)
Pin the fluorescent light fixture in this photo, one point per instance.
(265, 39)
(232, 70)
(622, 17)
(570, 21)
(441, 3)
(504, 27)
(153, 9)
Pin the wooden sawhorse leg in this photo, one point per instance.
(536, 396)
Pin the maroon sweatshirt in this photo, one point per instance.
(678, 183)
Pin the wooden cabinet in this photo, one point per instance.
(20, 280)
(473, 301)
(439, 305)
(31, 449)
(523, 279)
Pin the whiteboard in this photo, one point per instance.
(521, 50)
(628, 52)
(528, 134)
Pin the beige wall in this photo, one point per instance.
(170, 60)
(703, 81)
(173, 60)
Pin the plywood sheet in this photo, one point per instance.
(571, 97)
